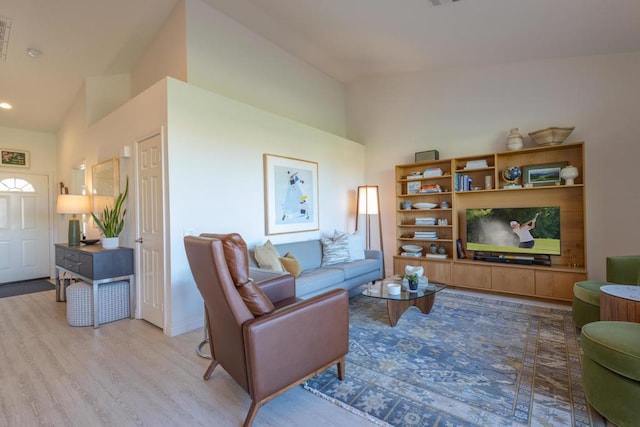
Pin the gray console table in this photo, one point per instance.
(96, 266)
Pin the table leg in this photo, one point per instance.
(396, 308)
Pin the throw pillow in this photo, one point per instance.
(255, 299)
(356, 245)
(291, 264)
(267, 257)
(335, 251)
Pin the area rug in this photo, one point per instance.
(475, 360)
(26, 287)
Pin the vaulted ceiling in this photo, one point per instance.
(347, 39)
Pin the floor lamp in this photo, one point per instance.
(369, 205)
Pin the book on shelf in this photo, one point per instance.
(437, 256)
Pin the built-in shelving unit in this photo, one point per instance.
(443, 226)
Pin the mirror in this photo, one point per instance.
(77, 180)
(105, 183)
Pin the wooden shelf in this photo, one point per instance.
(549, 282)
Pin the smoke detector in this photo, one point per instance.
(5, 29)
(33, 52)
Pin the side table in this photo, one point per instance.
(96, 266)
(620, 302)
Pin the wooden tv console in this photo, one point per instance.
(554, 281)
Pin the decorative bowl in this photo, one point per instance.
(424, 205)
(552, 135)
(412, 248)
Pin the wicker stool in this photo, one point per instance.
(113, 299)
(79, 304)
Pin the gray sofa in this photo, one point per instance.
(316, 279)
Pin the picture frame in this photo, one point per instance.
(414, 187)
(291, 194)
(16, 158)
(542, 174)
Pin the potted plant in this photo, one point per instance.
(112, 221)
(412, 280)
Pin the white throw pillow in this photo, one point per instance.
(335, 251)
(356, 245)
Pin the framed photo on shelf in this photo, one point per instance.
(14, 158)
(291, 194)
(543, 174)
(414, 187)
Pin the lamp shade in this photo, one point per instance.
(368, 200)
(72, 204)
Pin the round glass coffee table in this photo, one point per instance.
(423, 297)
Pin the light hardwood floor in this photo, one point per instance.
(125, 373)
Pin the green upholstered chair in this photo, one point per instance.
(621, 270)
(611, 370)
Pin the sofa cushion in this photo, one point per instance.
(589, 291)
(291, 264)
(357, 268)
(255, 299)
(318, 278)
(336, 250)
(307, 252)
(268, 257)
(614, 345)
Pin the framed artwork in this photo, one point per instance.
(414, 187)
(291, 194)
(14, 158)
(544, 174)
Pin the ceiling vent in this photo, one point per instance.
(5, 29)
(442, 2)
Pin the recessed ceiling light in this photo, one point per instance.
(5, 105)
(33, 52)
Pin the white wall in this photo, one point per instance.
(466, 111)
(165, 56)
(215, 163)
(227, 58)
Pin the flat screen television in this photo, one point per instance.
(534, 230)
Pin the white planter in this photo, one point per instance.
(110, 242)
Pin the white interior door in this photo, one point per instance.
(24, 226)
(150, 253)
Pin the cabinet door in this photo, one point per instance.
(439, 272)
(474, 276)
(557, 284)
(513, 280)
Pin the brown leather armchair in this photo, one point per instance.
(263, 336)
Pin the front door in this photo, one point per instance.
(150, 256)
(24, 226)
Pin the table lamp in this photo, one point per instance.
(73, 204)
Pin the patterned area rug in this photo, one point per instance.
(475, 360)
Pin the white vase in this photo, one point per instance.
(515, 140)
(110, 242)
(569, 173)
(417, 270)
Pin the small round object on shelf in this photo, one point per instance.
(411, 248)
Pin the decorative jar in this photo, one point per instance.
(515, 140)
(569, 173)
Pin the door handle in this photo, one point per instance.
(139, 240)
